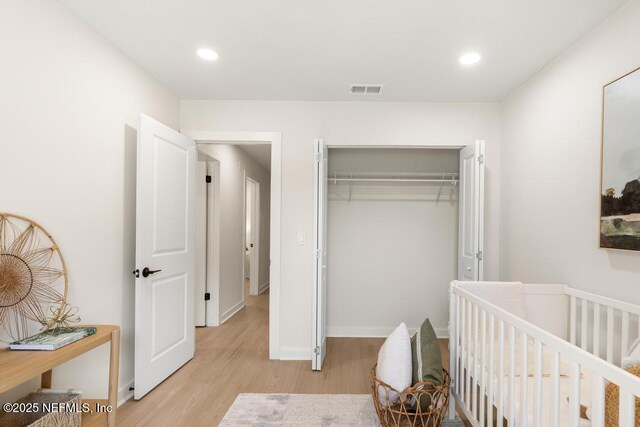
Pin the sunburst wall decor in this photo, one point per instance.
(33, 275)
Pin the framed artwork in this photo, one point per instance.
(620, 183)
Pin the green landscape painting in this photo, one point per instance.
(620, 196)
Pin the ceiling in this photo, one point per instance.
(314, 49)
(260, 153)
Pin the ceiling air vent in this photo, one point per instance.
(366, 89)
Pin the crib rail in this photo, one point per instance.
(600, 317)
(483, 339)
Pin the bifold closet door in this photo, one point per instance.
(320, 255)
(471, 212)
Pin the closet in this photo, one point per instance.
(393, 227)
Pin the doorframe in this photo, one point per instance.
(275, 140)
(254, 257)
(213, 244)
(211, 264)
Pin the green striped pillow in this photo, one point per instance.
(425, 354)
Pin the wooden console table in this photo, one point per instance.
(19, 366)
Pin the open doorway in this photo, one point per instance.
(233, 233)
(170, 172)
(217, 145)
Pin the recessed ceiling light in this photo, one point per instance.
(207, 54)
(470, 58)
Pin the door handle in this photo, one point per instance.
(146, 272)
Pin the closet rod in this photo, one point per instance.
(391, 180)
(394, 174)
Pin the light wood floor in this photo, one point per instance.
(234, 358)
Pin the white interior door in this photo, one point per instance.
(320, 257)
(165, 254)
(253, 233)
(471, 211)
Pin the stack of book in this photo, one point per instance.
(53, 339)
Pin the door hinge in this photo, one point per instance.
(207, 296)
(316, 350)
(316, 253)
(481, 159)
(208, 179)
(479, 256)
(318, 157)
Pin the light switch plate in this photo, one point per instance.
(302, 238)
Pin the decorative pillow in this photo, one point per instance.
(394, 364)
(426, 360)
(425, 355)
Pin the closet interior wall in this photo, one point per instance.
(392, 238)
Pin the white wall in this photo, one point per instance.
(344, 123)
(392, 249)
(551, 167)
(69, 108)
(233, 162)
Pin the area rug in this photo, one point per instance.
(257, 409)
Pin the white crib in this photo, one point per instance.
(537, 362)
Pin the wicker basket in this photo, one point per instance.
(409, 410)
(72, 417)
(612, 402)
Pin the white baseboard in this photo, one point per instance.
(263, 287)
(295, 353)
(232, 311)
(373, 332)
(124, 393)
(442, 333)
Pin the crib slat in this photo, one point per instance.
(537, 402)
(453, 350)
(596, 329)
(500, 385)
(512, 376)
(584, 324)
(490, 393)
(483, 365)
(474, 390)
(597, 401)
(574, 394)
(627, 409)
(624, 345)
(610, 325)
(468, 388)
(463, 343)
(572, 320)
(554, 420)
(524, 375)
(459, 340)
